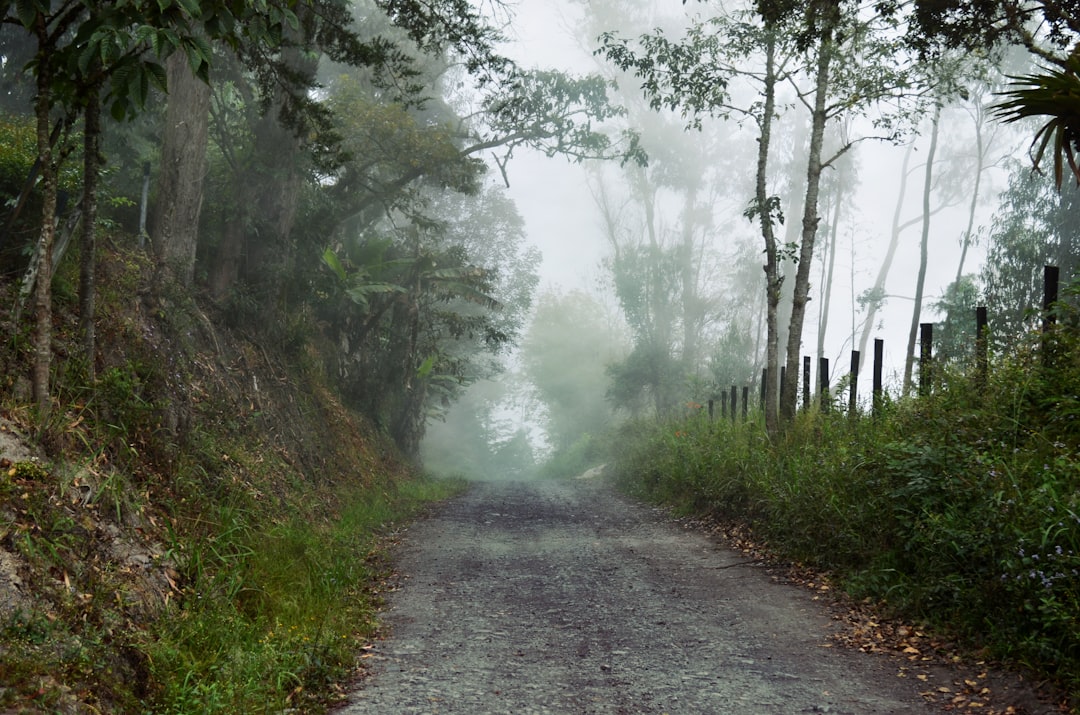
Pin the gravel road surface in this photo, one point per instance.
(565, 597)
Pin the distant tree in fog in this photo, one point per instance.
(565, 353)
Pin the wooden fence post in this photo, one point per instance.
(723, 404)
(734, 400)
(879, 359)
(853, 395)
(926, 343)
(1050, 296)
(745, 401)
(823, 375)
(711, 405)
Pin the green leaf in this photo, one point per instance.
(426, 367)
(333, 263)
(118, 109)
(191, 7)
(27, 10)
(158, 76)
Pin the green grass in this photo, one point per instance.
(271, 614)
(961, 509)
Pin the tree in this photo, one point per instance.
(174, 224)
(692, 76)
(954, 336)
(1049, 30)
(924, 243)
(416, 309)
(82, 48)
(1036, 225)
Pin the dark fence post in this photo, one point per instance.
(734, 400)
(982, 368)
(711, 405)
(853, 396)
(806, 382)
(879, 359)
(1050, 296)
(926, 348)
(745, 401)
(823, 375)
(723, 404)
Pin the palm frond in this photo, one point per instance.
(1053, 94)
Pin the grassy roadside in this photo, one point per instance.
(275, 615)
(202, 530)
(961, 510)
(243, 611)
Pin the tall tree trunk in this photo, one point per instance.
(878, 291)
(980, 164)
(924, 243)
(765, 216)
(42, 337)
(828, 269)
(810, 220)
(257, 245)
(88, 255)
(175, 222)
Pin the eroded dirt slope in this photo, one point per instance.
(566, 598)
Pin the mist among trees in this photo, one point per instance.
(765, 181)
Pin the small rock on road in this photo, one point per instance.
(565, 597)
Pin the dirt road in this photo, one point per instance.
(565, 597)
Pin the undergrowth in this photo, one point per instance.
(273, 611)
(961, 509)
(204, 531)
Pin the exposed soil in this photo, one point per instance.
(565, 597)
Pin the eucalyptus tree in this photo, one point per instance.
(837, 198)
(856, 66)
(692, 76)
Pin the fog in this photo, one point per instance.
(562, 205)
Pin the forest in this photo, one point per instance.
(267, 265)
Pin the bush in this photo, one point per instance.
(961, 509)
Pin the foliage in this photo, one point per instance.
(575, 459)
(480, 436)
(566, 351)
(1054, 93)
(1046, 28)
(958, 509)
(274, 609)
(954, 336)
(1035, 225)
(424, 312)
(195, 542)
